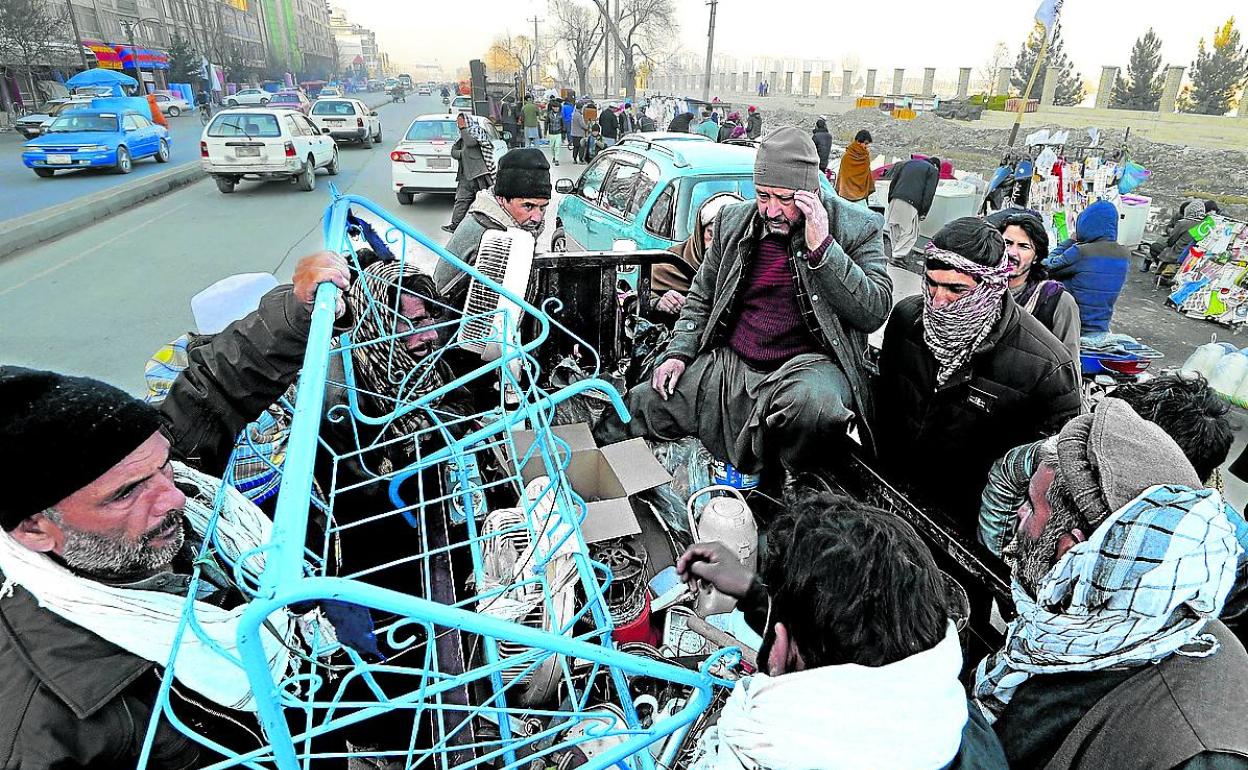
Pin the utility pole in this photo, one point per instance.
(710, 52)
(73, 22)
(537, 58)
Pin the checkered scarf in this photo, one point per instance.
(955, 331)
(385, 372)
(487, 146)
(1141, 588)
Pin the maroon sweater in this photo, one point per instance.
(769, 327)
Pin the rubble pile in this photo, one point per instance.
(1178, 172)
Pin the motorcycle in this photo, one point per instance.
(1110, 361)
(446, 100)
(398, 94)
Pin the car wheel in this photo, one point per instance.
(405, 199)
(307, 178)
(332, 168)
(162, 154)
(377, 139)
(264, 101)
(231, 102)
(367, 142)
(46, 173)
(224, 184)
(559, 241)
(175, 112)
(124, 164)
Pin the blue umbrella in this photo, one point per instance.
(102, 77)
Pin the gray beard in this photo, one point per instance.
(92, 553)
(1031, 560)
(532, 228)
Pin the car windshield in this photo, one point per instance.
(68, 123)
(333, 108)
(693, 191)
(433, 130)
(285, 98)
(234, 124)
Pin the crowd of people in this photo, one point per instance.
(1127, 566)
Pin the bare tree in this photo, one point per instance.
(29, 32)
(640, 29)
(986, 75)
(510, 54)
(582, 32)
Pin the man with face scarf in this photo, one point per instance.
(966, 375)
(1121, 565)
(668, 283)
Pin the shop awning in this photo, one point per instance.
(105, 54)
(148, 58)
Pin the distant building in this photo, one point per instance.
(357, 46)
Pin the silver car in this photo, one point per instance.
(173, 106)
(31, 126)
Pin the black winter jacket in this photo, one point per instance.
(823, 144)
(1021, 385)
(915, 183)
(70, 698)
(609, 122)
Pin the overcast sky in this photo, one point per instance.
(890, 33)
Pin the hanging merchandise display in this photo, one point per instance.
(1212, 280)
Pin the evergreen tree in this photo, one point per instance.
(1069, 83)
(184, 61)
(1218, 74)
(1141, 88)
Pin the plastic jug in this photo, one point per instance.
(730, 521)
(1205, 358)
(1228, 374)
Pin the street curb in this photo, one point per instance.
(49, 224)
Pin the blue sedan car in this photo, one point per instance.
(96, 139)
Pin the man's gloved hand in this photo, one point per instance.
(318, 268)
(717, 565)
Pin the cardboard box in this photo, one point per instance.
(604, 478)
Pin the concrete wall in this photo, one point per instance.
(1210, 131)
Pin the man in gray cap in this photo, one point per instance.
(766, 361)
(1122, 564)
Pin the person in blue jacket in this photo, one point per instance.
(1093, 267)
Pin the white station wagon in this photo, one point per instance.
(265, 144)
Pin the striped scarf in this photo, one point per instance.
(955, 331)
(385, 372)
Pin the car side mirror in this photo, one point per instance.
(373, 114)
(324, 130)
(565, 186)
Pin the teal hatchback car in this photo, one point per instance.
(648, 188)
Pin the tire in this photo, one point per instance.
(405, 199)
(162, 154)
(46, 173)
(377, 139)
(263, 102)
(231, 102)
(307, 178)
(125, 164)
(367, 142)
(175, 112)
(224, 184)
(332, 168)
(559, 241)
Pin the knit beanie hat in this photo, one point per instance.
(523, 173)
(60, 433)
(787, 158)
(1107, 458)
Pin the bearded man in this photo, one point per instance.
(767, 361)
(966, 375)
(519, 198)
(1121, 566)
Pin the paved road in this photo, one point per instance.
(100, 301)
(21, 192)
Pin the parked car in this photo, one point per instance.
(173, 106)
(291, 100)
(422, 162)
(96, 139)
(648, 188)
(347, 120)
(33, 125)
(265, 143)
(248, 97)
(460, 104)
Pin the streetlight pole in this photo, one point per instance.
(130, 24)
(710, 51)
(73, 22)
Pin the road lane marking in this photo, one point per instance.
(129, 232)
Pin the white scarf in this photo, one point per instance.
(908, 715)
(146, 623)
